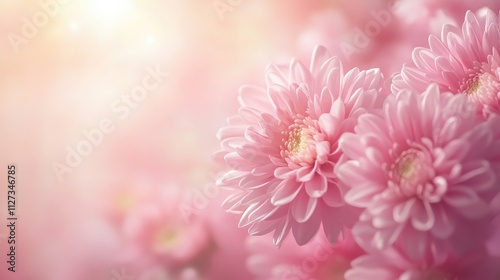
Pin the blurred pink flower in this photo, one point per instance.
(375, 37)
(315, 260)
(157, 231)
(124, 197)
(281, 149)
(391, 264)
(141, 234)
(424, 172)
(455, 10)
(464, 61)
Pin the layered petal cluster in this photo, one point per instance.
(281, 149)
(463, 61)
(424, 173)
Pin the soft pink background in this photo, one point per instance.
(66, 78)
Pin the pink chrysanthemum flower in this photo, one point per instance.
(281, 149)
(391, 264)
(464, 61)
(424, 171)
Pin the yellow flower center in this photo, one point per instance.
(481, 85)
(125, 202)
(473, 85)
(406, 167)
(411, 175)
(296, 142)
(166, 239)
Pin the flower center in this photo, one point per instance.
(481, 85)
(411, 175)
(472, 85)
(298, 136)
(298, 146)
(407, 168)
(166, 239)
